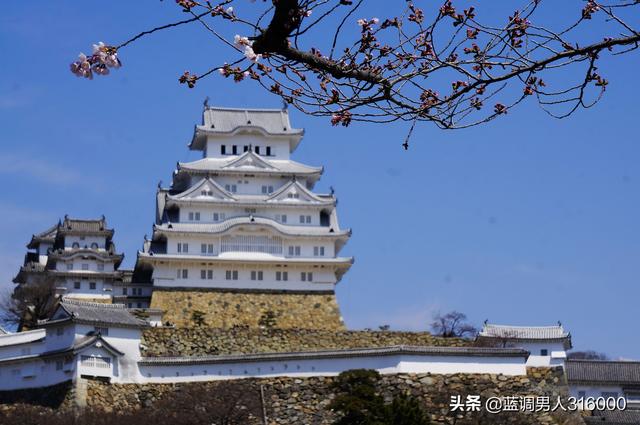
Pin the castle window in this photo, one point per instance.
(75, 245)
(257, 150)
(256, 275)
(282, 276)
(76, 285)
(234, 149)
(124, 291)
(206, 248)
(183, 274)
(245, 148)
(306, 276)
(305, 219)
(191, 216)
(318, 251)
(203, 274)
(102, 331)
(294, 196)
(544, 352)
(281, 218)
(85, 266)
(231, 188)
(268, 150)
(197, 216)
(231, 274)
(209, 274)
(94, 246)
(69, 266)
(294, 251)
(100, 267)
(96, 361)
(92, 285)
(183, 247)
(59, 364)
(223, 150)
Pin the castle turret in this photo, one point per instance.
(240, 237)
(78, 256)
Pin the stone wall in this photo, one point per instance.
(211, 341)
(226, 309)
(305, 401)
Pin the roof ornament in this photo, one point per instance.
(206, 102)
(332, 190)
(159, 184)
(285, 105)
(485, 322)
(252, 218)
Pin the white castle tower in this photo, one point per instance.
(244, 220)
(78, 256)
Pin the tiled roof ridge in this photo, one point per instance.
(599, 361)
(523, 326)
(75, 301)
(224, 108)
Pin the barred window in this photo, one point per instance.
(251, 243)
(96, 361)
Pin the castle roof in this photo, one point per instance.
(27, 268)
(48, 235)
(603, 372)
(78, 226)
(93, 313)
(228, 121)
(614, 417)
(249, 162)
(340, 353)
(229, 224)
(78, 346)
(104, 255)
(533, 333)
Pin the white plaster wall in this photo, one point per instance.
(166, 275)
(279, 146)
(305, 243)
(332, 367)
(84, 241)
(33, 374)
(448, 364)
(292, 210)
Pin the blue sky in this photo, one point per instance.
(527, 220)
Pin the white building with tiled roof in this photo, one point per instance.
(78, 256)
(547, 345)
(89, 340)
(605, 378)
(245, 216)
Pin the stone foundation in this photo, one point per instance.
(210, 341)
(227, 309)
(305, 401)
